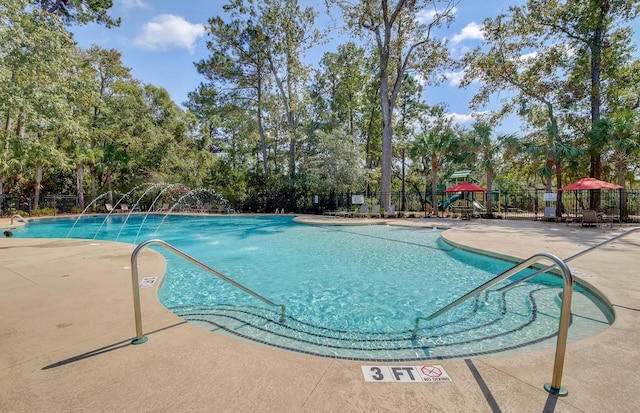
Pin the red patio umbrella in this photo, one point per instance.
(466, 187)
(588, 184)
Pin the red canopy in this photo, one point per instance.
(466, 187)
(182, 190)
(589, 183)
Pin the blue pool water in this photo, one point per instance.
(349, 291)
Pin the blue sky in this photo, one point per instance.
(161, 39)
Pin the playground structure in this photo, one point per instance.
(472, 205)
(460, 196)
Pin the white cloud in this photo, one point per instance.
(167, 31)
(528, 56)
(471, 31)
(426, 16)
(454, 78)
(134, 4)
(421, 80)
(460, 118)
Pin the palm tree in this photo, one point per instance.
(114, 160)
(624, 138)
(620, 133)
(488, 151)
(433, 146)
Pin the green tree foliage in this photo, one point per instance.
(238, 59)
(35, 87)
(489, 151)
(266, 130)
(403, 43)
(587, 28)
(337, 90)
(338, 163)
(79, 11)
(436, 144)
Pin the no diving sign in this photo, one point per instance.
(405, 374)
(148, 282)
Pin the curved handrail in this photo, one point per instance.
(19, 218)
(140, 338)
(495, 280)
(574, 256)
(555, 386)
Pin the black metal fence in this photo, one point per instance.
(521, 204)
(47, 205)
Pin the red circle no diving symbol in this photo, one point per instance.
(431, 371)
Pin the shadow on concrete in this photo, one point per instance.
(550, 405)
(105, 349)
(491, 401)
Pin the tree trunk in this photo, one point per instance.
(387, 136)
(108, 183)
(489, 203)
(80, 185)
(403, 206)
(621, 166)
(434, 186)
(9, 123)
(22, 121)
(263, 141)
(36, 192)
(92, 177)
(594, 97)
(559, 204)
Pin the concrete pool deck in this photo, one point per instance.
(66, 324)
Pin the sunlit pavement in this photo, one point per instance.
(67, 321)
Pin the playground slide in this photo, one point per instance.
(479, 206)
(444, 205)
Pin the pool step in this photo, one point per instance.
(480, 329)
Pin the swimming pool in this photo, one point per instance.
(349, 291)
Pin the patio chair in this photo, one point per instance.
(375, 211)
(164, 208)
(364, 211)
(108, 207)
(391, 212)
(589, 218)
(613, 215)
(124, 208)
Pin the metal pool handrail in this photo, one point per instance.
(513, 270)
(140, 338)
(574, 256)
(19, 218)
(555, 387)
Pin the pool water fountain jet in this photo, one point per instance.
(115, 206)
(85, 210)
(137, 203)
(216, 197)
(153, 203)
(164, 187)
(133, 208)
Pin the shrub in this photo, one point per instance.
(43, 211)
